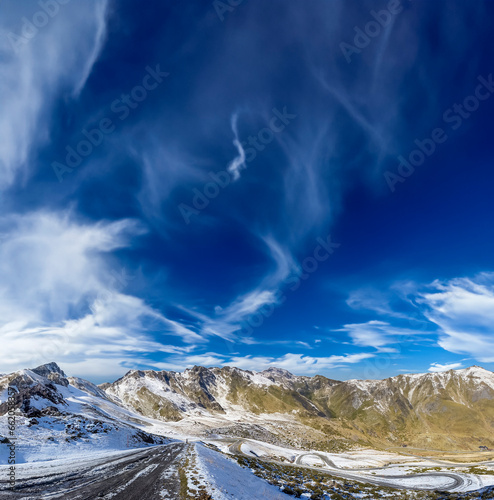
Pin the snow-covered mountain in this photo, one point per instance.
(200, 391)
(453, 408)
(56, 415)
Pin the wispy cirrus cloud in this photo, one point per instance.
(227, 322)
(95, 45)
(59, 298)
(293, 362)
(379, 334)
(378, 301)
(238, 163)
(463, 308)
(458, 312)
(438, 367)
(37, 71)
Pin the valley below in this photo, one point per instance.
(228, 433)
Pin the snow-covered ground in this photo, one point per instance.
(86, 424)
(224, 479)
(389, 468)
(60, 464)
(354, 459)
(79, 420)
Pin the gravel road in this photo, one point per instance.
(151, 474)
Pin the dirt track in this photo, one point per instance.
(151, 474)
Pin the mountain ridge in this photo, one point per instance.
(54, 413)
(283, 371)
(406, 408)
(445, 410)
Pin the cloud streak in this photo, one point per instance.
(438, 368)
(459, 312)
(297, 364)
(238, 163)
(463, 308)
(59, 299)
(58, 59)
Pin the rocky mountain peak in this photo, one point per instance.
(48, 368)
(52, 372)
(277, 373)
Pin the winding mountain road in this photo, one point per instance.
(152, 473)
(456, 480)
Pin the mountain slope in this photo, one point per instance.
(204, 391)
(444, 410)
(56, 414)
(449, 410)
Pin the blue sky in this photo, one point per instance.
(252, 185)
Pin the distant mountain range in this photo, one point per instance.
(453, 409)
(448, 410)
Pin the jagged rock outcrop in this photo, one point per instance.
(76, 408)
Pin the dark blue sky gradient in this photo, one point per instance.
(392, 297)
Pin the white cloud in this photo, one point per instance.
(375, 300)
(95, 45)
(164, 168)
(295, 363)
(464, 310)
(238, 163)
(248, 304)
(180, 363)
(298, 363)
(378, 334)
(256, 304)
(436, 367)
(227, 322)
(59, 299)
(57, 59)
(461, 309)
(50, 264)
